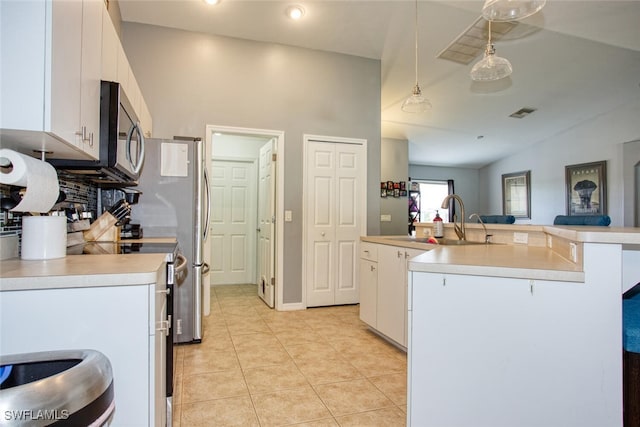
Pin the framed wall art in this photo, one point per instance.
(587, 188)
(516, 194)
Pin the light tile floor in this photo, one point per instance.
(261, 367)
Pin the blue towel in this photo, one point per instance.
(498, 219)
(631, 324)
(603, 220)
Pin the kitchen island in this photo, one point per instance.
(115, 304)
(526, 335)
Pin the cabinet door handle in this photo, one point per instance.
(399, 254)
(406, 255)
(164, 291)
(164, 326)
(372, 268)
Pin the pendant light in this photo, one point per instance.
(510, 10)
(416, 103)
(491, 67)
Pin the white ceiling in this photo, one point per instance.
(573, 61)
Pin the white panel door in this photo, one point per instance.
(348, 210)
(233, 222)
(266, 224)
(335, 185)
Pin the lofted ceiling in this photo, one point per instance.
(573, 61)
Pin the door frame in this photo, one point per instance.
(280, 150)
(305, 209)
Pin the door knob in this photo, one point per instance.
(322, 234)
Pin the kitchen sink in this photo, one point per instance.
(441, 241)
(456, 242)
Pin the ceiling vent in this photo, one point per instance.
(521, 113)
(472, 42)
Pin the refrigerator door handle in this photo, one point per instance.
(205, 268)
(208, 215)
(182, 263)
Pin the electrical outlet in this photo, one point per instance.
(549, 241)
(573, 252)
(179, 326)
(288, 216)
(426, 232)
(521, 238)
(385, 218)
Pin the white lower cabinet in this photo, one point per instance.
(495, 351)
(125, 323)
(385, 310)
(368, 283)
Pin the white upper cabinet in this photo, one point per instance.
(92, 12)
(50, 76)
(53, 54)
(110, 48)
(116, 68)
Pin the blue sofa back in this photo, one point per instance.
(498, 219)
(602, 220)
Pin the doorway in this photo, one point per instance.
(246, 244)
(637, 196)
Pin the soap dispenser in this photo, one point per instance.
(438, 226)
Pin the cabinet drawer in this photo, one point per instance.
(369, 251)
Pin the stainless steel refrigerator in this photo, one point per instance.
(175, 203)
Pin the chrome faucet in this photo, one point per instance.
(460, 231)
(486, 236)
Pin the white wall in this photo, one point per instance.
(394, 167)
(598, 138)
(631, 159)
(465, 183)
(190, 80)
(229, 146)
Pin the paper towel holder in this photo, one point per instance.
(42, 153)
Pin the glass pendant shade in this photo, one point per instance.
(416, 103)
(510, 10)
(491, 67)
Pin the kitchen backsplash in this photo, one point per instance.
(76, 189)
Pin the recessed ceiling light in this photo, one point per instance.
(295, 12)
(211, 2)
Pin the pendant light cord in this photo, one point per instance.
(489, 32)
(416, 40)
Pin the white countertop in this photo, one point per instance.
(511, 260)
(516, 261)
(592, 234)
(75, 271)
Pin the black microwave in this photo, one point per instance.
(121, 153)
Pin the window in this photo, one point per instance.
(432, 193)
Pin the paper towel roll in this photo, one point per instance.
(44, 237)
(39, 177)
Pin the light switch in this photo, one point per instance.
(521, 238)
(288, 216)
(385, 218)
